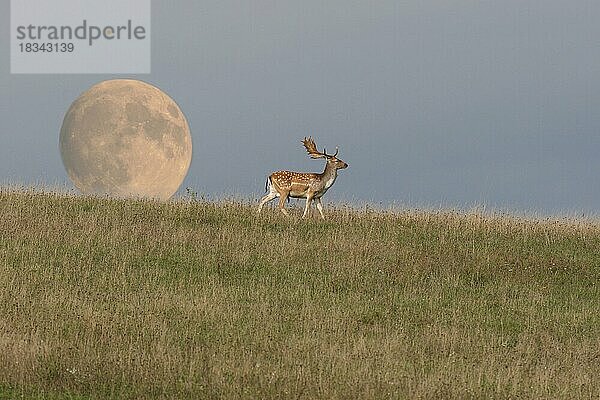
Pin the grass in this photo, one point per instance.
(103, 298)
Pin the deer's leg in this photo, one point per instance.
(265, 199)
(320, 207)
(282, 198)
(308, 201)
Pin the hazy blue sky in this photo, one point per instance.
(431, 102)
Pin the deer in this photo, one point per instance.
(306, 185)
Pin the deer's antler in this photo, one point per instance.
(329, 155)
(311, 148)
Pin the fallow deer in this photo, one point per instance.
(310, 186)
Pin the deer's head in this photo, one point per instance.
(332, 159)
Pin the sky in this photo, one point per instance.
(437, 103)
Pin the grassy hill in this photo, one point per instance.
(104, 298)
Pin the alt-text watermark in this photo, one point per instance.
(80, 36)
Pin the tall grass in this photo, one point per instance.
(103, 298)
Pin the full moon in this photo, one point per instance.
(126, 138)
